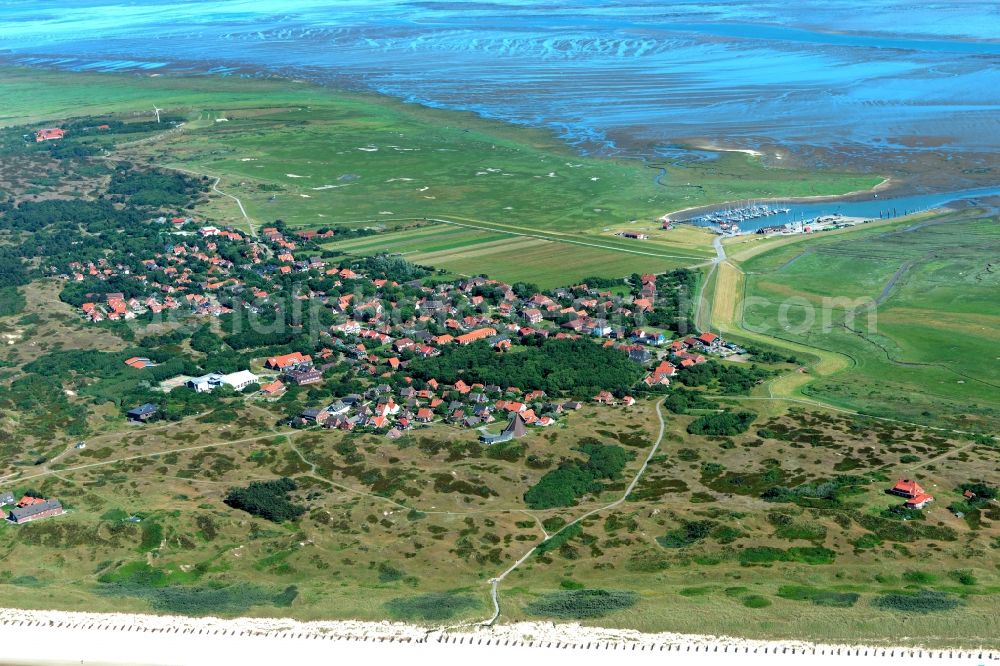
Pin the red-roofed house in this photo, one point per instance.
(916, 496)
(919, 502)
(273, 389)
(708, 339)
(478, 334)
(907, 488)
(49, 134)
(288, 361)
(604, 397)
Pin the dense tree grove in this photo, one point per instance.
(722, 423)
(36, 215)
(729, 379)
(266, 499)
(391, 268)
(154, 188)
(680, 400)
(572, 479)
(579, 367)
(12, 301)
(12, 270)
(595, 282)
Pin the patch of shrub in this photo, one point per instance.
(817, 596)
(900, 531)
(690, 532)
(389, 574)
(866, 541)
(582, 604)
(766, 555)
(573, 479)
(919, 577)
(963, 577)
(559, 539)
(722, 423)
(756, 601)
(923, 601)
(434, 606)
(267, 499)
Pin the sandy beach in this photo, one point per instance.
(54, 637)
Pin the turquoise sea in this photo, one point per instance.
(607, 75)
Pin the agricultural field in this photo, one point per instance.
(465, 251)
(928, 349)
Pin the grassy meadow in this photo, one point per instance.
(928, 351)
(331, 157)
(316, 157)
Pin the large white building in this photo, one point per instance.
(238, 380)
(241, 379)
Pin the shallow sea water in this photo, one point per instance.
(837, 75)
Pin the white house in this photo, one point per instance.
(241, 379)
(207, 383)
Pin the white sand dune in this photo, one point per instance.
(54, 637)
(720, 149)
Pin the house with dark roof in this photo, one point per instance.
(304, 376)
(515, 428)
(35, 511)
(142, 413)
(640, 356)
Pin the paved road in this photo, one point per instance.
(720, 256)
(720, 252)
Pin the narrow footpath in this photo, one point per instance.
(495, 582)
